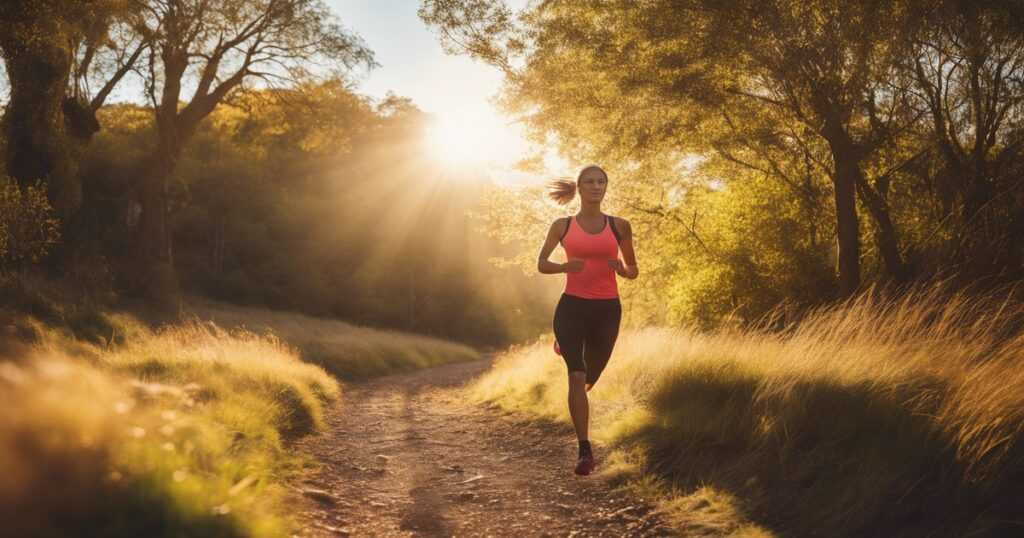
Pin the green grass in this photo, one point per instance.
(895, 418)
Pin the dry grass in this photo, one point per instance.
(179, 432)
(898, 417)
(110, 428)
(348, 351)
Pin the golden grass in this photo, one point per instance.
(179, 432)
(115, 429)
(895, 416)
(348, 351)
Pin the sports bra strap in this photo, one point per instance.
(568, 222)
(611, 224)
(615, 231)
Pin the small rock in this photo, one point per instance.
(473, 479)
(320, 495)
(382, 459)
(335, 530)
(623, 513)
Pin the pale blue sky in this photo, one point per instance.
(455, 88)
(412, 62)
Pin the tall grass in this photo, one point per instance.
(179, 432)
(875, 417)
(110, 428)
(347, 351)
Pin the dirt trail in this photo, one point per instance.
(406, 455)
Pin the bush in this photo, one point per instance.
(28, 225)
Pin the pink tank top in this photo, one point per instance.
(596, 280)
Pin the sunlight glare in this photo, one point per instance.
(468, 138)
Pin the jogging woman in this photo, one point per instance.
(587, 317)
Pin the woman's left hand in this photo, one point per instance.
(627, 272)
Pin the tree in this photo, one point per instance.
(220, 46)
(624, 80)
(48, 46)
(967, 63)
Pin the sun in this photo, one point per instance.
(458, 139)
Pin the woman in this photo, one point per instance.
(587, 316)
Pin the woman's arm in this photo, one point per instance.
(630, 269)
(546, 266)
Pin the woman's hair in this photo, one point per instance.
(563, 191)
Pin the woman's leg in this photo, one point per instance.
(569, 331)
(601, 333)
(579, 406)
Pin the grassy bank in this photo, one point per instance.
(112, 428)
(179, 432)
(347, 351)
(874, 418)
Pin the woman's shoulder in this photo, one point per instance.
(560, 222)
(559, 226)
(619, 221)
(622, 226)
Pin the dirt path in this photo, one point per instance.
(405, 455)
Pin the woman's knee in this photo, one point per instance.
(577, 377)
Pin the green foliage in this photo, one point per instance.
(318, 200)
(810, 101)
(28, 225)
(753, 247)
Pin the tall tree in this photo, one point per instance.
(219, 47)
(47, 48)
(621, 79)
(967, 63)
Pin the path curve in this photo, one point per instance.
(407, 455)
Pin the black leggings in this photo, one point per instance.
(586, 330)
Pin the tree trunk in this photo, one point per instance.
(156, 279)
(846, 159)
(38, 147)
(885, 232)
(847, 227)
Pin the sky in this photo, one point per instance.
(455, 88)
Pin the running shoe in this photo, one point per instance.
(558, 350)
(585, 465)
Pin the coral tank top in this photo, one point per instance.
(597, 280)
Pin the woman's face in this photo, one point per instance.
(592, 185)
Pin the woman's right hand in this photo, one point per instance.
(573, 266)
